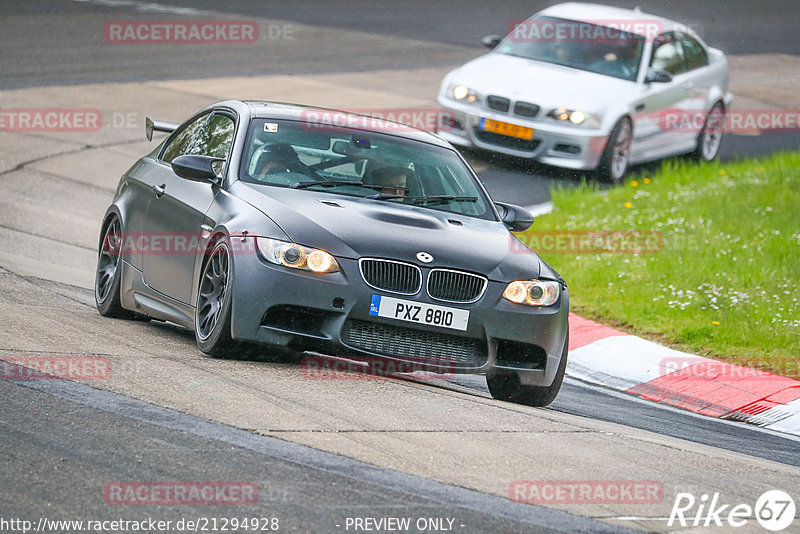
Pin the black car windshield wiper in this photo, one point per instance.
(384, 196)
(329, 183)
(440, 199)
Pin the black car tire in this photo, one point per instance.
(709, 140)
(506, 386)
(616, 156)
(107, 278)
(212, 323)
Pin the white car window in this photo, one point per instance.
(694, 53)
(668, 55)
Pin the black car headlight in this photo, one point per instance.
(296, 256)
(532, 292)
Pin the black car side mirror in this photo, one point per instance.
(491, 41)
(515, 218)
(196, 168)
(658, 76)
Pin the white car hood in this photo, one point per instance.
(543, 84)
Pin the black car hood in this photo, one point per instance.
(351, 227)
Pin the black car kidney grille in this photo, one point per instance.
(455, 286)
(392, 276)
(498, 103)
(419, 345)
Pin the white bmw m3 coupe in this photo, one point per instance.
(585, 86)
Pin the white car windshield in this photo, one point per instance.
(579, 45)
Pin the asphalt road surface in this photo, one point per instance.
(68, 441)
(57, 42)
(57, 438)
(419, 445)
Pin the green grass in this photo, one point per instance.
(725, 284)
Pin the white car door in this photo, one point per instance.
(656, 132)
(698, 79)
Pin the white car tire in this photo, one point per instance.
(709, 139)
(617, 154)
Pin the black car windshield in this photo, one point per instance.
(346, 161)
(601, 48)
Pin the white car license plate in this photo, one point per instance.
(419, 312)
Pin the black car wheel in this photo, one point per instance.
(106, 285)
(506, 386)
(617, 154)
(213, 314)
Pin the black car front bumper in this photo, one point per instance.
(329, 313)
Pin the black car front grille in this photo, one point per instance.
(498, 103)
(393, 276)
(526, 109)
(507, 141)
(419, 345)
(455, 286)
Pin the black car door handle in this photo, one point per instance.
(159, 189)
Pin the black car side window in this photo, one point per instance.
(180, 143)
(213, 138)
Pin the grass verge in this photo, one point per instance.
(705, 258)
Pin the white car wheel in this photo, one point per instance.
(617, 154)
(710, 138)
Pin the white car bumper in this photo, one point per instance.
(553, 144)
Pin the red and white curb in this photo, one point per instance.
(603, 355)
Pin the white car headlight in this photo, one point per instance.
(576, 117)
(532, 292)
(462, 93)
(296, 256)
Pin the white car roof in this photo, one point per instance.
(596, 14)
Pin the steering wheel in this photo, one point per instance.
(612, 68)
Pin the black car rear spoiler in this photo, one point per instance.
(151, 126)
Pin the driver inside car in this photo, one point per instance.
(277, 158)
(394, 180)
(624, 59)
